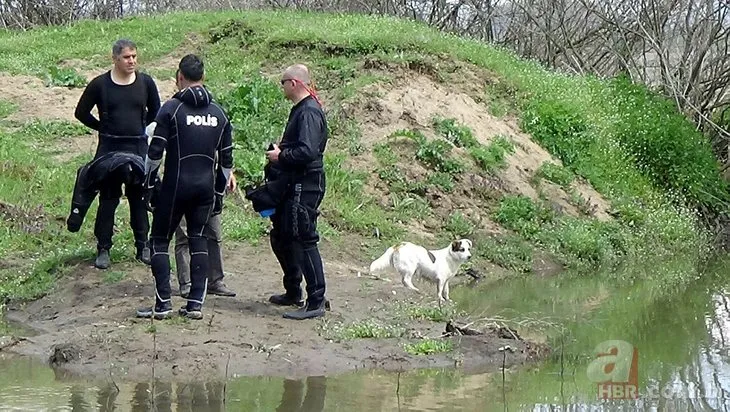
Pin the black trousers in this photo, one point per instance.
(298, 254)
(165, 219)
(109, 197)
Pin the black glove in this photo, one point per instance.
(149, 195)
(218, 204)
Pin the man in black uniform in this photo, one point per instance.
(127, 102)
(194, 130)
(299, 159)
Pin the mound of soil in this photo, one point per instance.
(384, 109)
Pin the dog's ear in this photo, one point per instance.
(456, 245)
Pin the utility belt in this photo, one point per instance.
(297, 218)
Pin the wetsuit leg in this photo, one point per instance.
(109, 196)
(283, 249)
(197, 217)
(165, 219)
(306, 253)
(139, 219)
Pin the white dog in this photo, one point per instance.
(438, 266)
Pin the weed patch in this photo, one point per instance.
(459, 135)
(429, 347)
(555, 173)
(365, 329)
(521, 214)
(64, 77)
(493, 156)
(458, 225)
(432, 313)
(510, 252)
(258, 112)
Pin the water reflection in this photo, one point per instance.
(303, 395)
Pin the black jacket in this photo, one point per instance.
(305, 138)
(91, 176)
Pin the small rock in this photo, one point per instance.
(64, 353)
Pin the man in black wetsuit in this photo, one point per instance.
(194, 130)
(127, 101)
(299, 158)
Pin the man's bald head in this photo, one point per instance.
(299, 72)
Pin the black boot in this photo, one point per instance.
(309, 311)
(286, 300)
(102, 259)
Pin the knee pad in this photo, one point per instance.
(159, 246)
(198, 244)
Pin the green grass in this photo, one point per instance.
(429, 347)
(364, 329)
(493, 156)
(510, 252)
(555, 173)
(64, 77)
(420, 312)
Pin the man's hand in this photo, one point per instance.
(273, 155)
(147, 193)
(231, 186)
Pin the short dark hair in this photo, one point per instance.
(191, 67)
(122, 44)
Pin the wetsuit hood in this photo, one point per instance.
(196, 96)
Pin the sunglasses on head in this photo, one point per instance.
(282, 81)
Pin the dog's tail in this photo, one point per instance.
(382, 263)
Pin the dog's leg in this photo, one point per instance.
(407, 279)
(440, 290)
(446, 292)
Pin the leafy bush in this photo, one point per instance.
(459, 135)
(493, 156)
(665, 146)
(555, 173)
(258, 112)
(64, 77)
(458, 225)
(560, 129)
(509, 252)
(521, 214)
(436, 154)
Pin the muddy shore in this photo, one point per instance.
(86, 326)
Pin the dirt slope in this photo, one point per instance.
(414, 101)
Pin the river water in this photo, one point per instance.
(679, 333)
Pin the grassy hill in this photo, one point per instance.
(432, 137)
